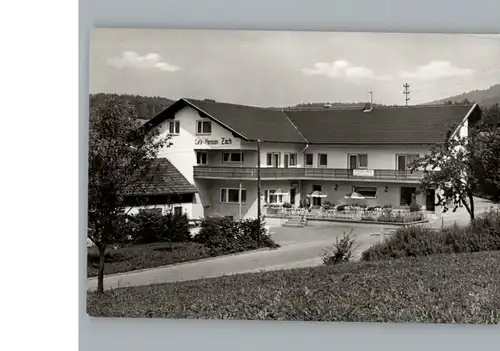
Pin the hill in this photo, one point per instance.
(484, 97)
(146, 106)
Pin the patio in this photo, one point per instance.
(354, 212)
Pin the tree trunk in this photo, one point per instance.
(471, 201)
(100, 274)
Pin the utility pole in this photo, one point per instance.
(407, 93)
(371, 99)
(258, 188)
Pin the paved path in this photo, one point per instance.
(300, 247)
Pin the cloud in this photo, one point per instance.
(342, 69)
(436, 70)
(130, 59)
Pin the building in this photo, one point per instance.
(159, 186)
(336, 152)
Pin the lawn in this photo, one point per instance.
(451, 288)
(133, 257)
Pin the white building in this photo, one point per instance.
(337, 152)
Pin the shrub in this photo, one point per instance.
(327, 205)
(150, 227)
(225, 235)
(482, 234)
(342, 251)
(287, 205)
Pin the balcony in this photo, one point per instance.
(267, 173)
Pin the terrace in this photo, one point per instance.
(305, 173)
(349, 213)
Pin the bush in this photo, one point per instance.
(225, 235)
(150, 227)
(342, 251)
(482, 234)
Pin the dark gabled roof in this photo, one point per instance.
(251, 122)
(391, 125)
(382, 125)
(247, 122)
(159, 177)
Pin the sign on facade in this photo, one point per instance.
(212, 142)
(363, 172)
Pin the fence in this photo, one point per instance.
(392, 215)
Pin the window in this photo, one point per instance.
(232, 196)
(151, 211)
(273, 159)
(290, 160)
(201, 158)
(367, 192)
(358, 161)
(203, 127)
(174, 127)
(274, 198)
(308, 159)
(322, 160)
(232, 157)
(404, 161)
(178, 211)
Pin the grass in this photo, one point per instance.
(452, 288)
(133, 257)
(482, 234)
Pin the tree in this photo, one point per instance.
(486, 164)
(449, 167)
(118, 151)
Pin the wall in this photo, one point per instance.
(337, 197)
(379, 157)
(187, 208)
(181, 153)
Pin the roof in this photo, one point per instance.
(391, 125)
(159, 178)
(382, 125)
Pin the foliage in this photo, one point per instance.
(449, 167)
(146, 106)
(141, 256)
(224, 234)
(486, 165)
(343, 250)
(482, 234)
(116, 154)
(150, 227)
(462, 288)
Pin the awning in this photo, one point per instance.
(317, 194)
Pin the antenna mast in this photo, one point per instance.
(406, 92)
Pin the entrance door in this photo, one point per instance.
(316, 201)
(430, 200)
(286, 160)
(292, 196)
(407, 195)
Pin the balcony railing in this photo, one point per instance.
(211, 172)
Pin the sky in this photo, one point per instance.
(279, 69)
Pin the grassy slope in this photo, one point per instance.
(463, 288)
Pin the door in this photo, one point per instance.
(430, 200)
(292, 196)
(316, 201)
(401, 163)
(407, 194)
(286, 160)
(353, 161)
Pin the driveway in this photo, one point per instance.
(301, 247)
